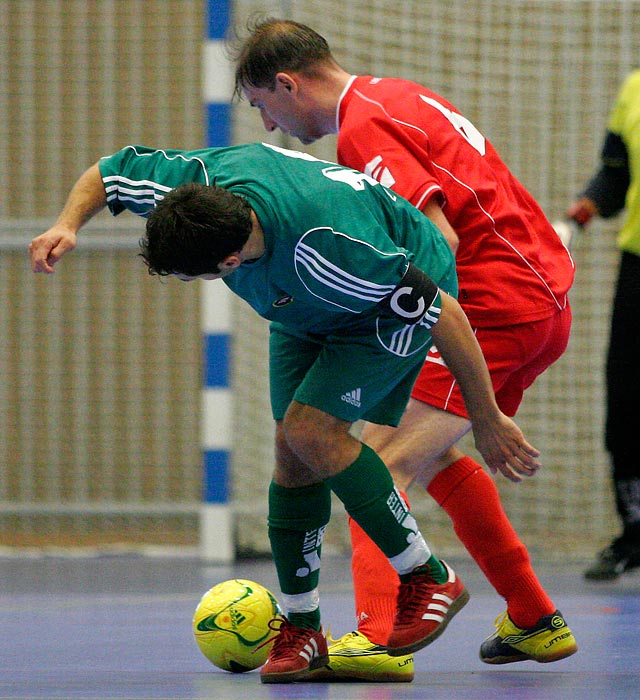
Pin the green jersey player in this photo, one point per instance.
(357, 284)
(326, 267)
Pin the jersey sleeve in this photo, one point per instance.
(137, 178)
(394, 154)
(347, 273)
(608, 188)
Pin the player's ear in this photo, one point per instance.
(231, 262)
(286, 81)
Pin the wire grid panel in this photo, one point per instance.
(78, 80)
(538, 78)
(99, 404)
(101, 365)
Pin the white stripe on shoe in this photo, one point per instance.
(310, 650)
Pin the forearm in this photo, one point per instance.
(606, 192)
(86, 199)
(459, 349)
(497, 437)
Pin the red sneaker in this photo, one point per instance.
(295, 653)
(424, 610)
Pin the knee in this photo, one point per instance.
(320, 440)
(302, 433)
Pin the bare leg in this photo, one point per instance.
(422, 449)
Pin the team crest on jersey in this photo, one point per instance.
(379, 171)
(283, 301)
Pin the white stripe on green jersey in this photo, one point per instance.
(329, 275)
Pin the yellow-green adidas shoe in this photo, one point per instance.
(550, 639)
(354, 658)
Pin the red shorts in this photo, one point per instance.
(515, 355)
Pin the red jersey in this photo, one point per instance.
(512, 267)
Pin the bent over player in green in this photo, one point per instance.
(357, 285)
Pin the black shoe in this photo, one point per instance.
(614, 560)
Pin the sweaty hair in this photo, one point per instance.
(276, 45)
(193, 229)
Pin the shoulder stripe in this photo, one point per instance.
(148, 192)
(120, 179)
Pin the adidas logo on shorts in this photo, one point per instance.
(352, 397)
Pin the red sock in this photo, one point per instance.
(472, 501)
(375, 584)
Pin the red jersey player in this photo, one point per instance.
(514, 275)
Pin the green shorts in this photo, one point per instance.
(366, 375)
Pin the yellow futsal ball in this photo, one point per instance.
(231, 624)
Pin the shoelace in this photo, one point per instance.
(288, 636)
(497, 623)
(331, 640)
(412, 596)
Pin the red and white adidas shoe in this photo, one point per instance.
(424, 609)
(295, 653)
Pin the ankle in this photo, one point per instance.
(433, 568)
(308, 620)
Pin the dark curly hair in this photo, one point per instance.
(193, 229)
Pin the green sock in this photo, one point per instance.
(433, 567)
(367, 491)
(297, 520)
(310, 620)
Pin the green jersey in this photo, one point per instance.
(336, 241)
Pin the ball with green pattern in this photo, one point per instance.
(231, 624)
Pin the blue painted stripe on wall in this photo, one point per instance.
(218, 124)
(216, 482)
(219, 12)
(216, 346)
(216, 360)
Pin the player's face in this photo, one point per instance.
(204, 276)
(226, 267)
(281, 109)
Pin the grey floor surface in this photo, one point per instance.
(119, 627)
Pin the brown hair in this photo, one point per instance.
(276, 45)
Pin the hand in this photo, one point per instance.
(504, 448)
(47, 249)
(582, 211)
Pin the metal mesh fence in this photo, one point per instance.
(538, 79)
(99, 401)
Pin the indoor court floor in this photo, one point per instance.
(119, 627)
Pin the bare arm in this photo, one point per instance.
(433, 211)
(87, 198)
(497, 437)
